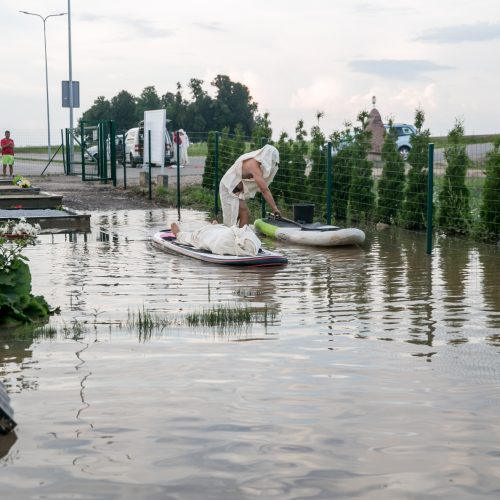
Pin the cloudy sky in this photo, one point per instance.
(296, 57)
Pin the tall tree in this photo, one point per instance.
(316, 180)
(147, 101)
(123, 110)
(392, 181)
(280, 182)
(414, 212)
(233, 105)
(100, 110)
(454, 209)
(490, 204)
(361, 194)
(342, 145)
(297, 180)
(262, 131)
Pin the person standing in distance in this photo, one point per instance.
(251, 173)
(7, 145)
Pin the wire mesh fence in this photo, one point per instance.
(341, 176)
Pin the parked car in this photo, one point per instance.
(92, 152)
(404, 133)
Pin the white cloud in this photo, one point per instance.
(323, 93)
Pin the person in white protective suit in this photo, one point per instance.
(250, 173)
(219, 239)
(183, 139)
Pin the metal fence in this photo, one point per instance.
(453, 188)
(347, 183)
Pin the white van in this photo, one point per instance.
(133, 147)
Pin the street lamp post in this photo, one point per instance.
(44, 19)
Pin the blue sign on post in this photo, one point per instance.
(65, 94)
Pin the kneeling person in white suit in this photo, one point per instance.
(219, 239)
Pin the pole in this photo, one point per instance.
(178, 151)
(149, 164)
(47, 88)
(430, 193)
(44, 20)
(329, 183)
(216, 175)
(70, 83)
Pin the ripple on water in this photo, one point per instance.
(381, 379)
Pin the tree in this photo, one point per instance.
(262, 131)
(100, 110)
(319, 115)
(361, 194)
(316, 181)
(233, 105)
(342, 146)
(208, 179)
(414, 214)
(281, 179)
(454, 208)
(392, 181)
(297, 180)
(176, 108)
(147, 101)
(490, 204)
(199, 110)
(123, 110)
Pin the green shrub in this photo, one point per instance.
(392, 180)
(454, 214)
(490, 205)
(414, 214)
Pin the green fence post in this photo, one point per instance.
(112, 150)
(83, 144)
(63, 153)
(68, 152)
(177, 152)
(216, 174)
(430, 195)
(149, 164)
(329, 160)
(124, 163)
(263, 142)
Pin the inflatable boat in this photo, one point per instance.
(166, 241)
(314, 234)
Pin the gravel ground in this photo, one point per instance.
(87, 196)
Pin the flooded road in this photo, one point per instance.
(379, 377)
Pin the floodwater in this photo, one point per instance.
(378, 377)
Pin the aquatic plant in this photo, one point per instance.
(219, 315)
(225, 316)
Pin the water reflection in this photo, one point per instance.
(335, 398)
(491, 278)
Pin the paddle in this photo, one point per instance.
(303, 226)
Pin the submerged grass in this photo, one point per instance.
(224, 316)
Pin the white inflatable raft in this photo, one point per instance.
(315, 234)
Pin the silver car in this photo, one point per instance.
(404, 133)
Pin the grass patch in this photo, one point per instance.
(198, 149)
(443, 141)
(224, 316)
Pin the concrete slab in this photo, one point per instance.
(50, 220)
